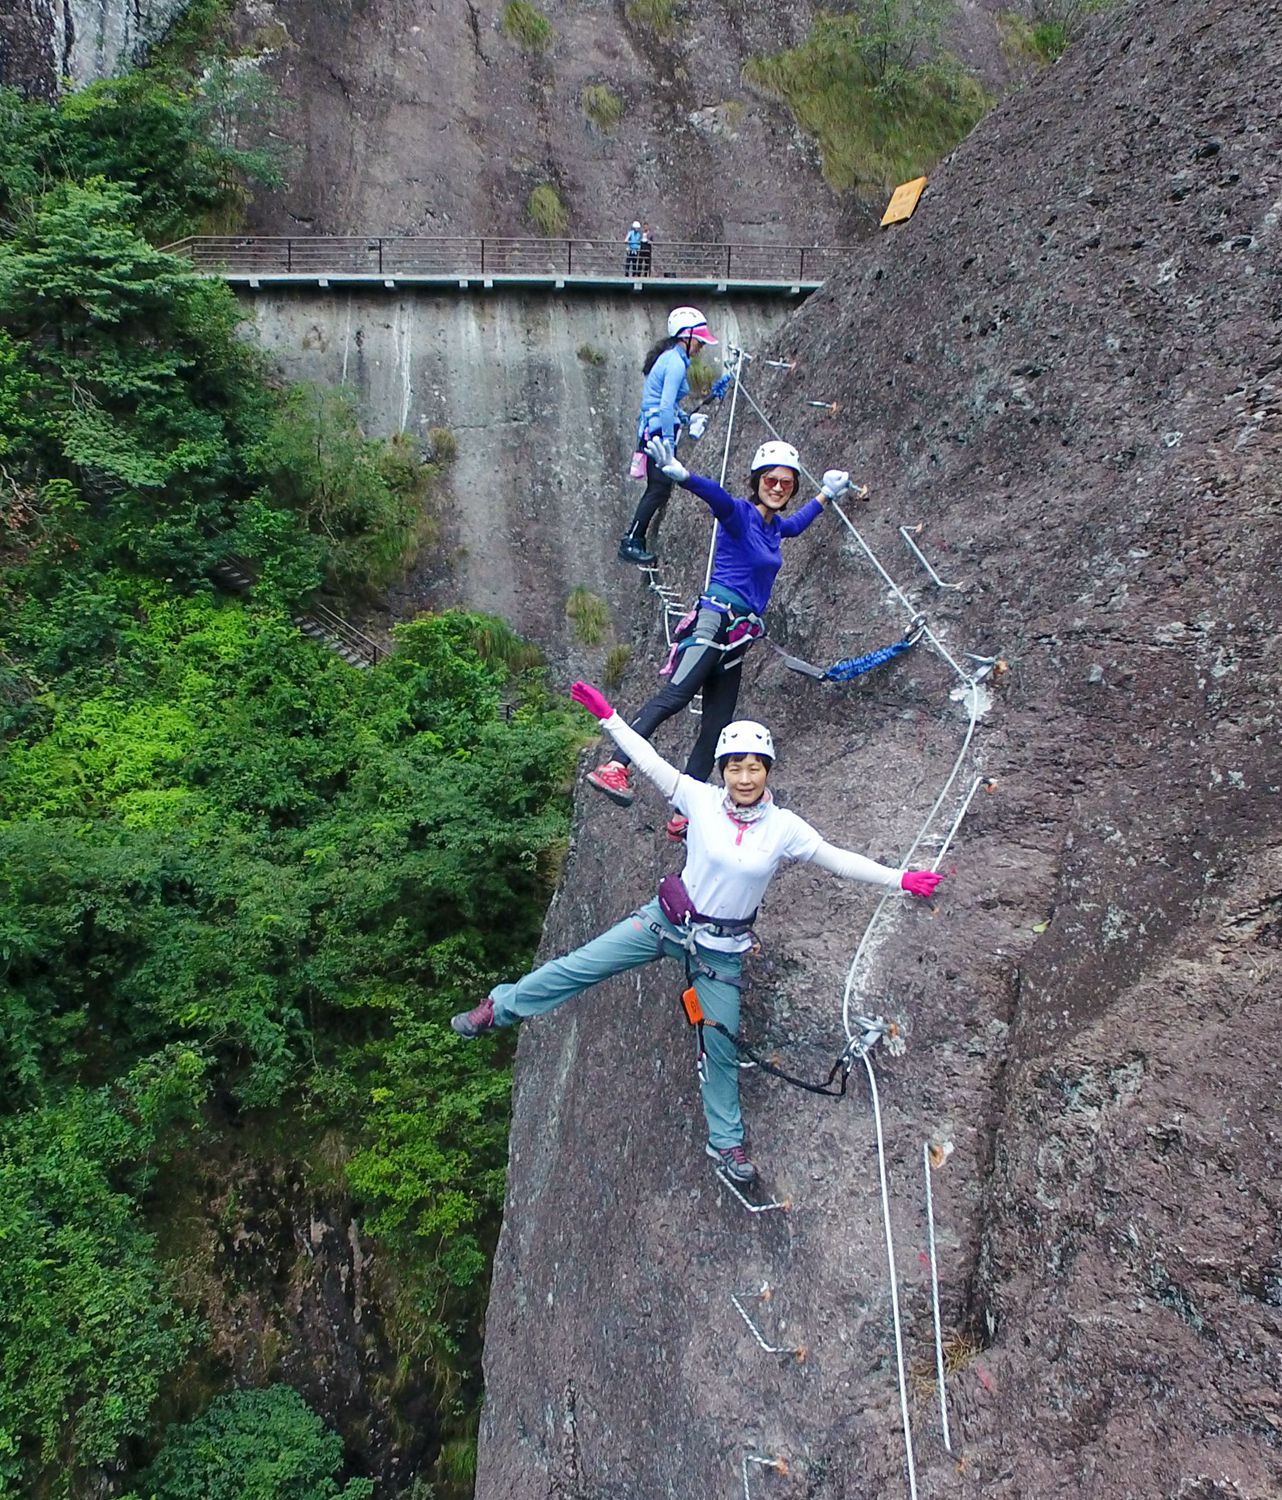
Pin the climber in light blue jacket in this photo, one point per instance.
(667, 384)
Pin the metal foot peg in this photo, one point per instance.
(763, 1296)
(908, 532)
(753, 1208)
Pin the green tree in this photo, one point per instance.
(251, 1445)
(89, 1330)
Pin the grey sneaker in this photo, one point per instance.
(733, 1162)
(474, 1023)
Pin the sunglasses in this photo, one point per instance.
(770, 483)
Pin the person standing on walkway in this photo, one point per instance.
(739, 836)
(667, 384)
(713, 639)
(632, 261)
(647, 250)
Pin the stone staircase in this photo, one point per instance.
(322, 625)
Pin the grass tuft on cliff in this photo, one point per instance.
(601, 105)
(527, 26)
(877, 122)
(656, 15)
(589, 614)
(547, 212)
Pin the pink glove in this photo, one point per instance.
(920, 882)
(591, 699)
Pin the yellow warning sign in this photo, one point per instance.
(903, 201)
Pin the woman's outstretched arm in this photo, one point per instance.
(639, 750)
(718, 501)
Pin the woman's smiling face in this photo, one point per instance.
(745, 779)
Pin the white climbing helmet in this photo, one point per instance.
(636, 223)
(771, 454)
(689, 322)
(745, 737)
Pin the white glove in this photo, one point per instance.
(661, 452)
(697, 425)
(836, 483)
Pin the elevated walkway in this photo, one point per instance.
(467, 263)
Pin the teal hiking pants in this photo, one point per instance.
(627, 945)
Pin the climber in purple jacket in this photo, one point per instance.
(713, 639)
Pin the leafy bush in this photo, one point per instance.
(1042, 29)
(252, 1445)
(89, 1330)
(601, 105)
(365, 501)
(228, 862)
(546, 210)
(589, 354)
(877, 120)
(526, 25)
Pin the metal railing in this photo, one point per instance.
(417, 255)
(342, 633)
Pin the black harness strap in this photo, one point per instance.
(694, 1014)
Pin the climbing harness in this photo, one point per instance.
(854, 666)
(742, 626)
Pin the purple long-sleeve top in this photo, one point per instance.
(747, 557)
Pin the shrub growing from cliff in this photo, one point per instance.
(658, 16)
(878, 115)
(601, 105)
(549, 215)
(526, 25)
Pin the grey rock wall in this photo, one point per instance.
(540, 389)
(1067, 368)
(428, 119)
(43, 42)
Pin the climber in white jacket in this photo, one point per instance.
(737, 839)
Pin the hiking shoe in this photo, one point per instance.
(676, 827)
(733, 1162)
(474, 1023)
(633, 550)
(614, 780)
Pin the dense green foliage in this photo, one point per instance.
(884, 102)
(251, 1445)
(239, 880)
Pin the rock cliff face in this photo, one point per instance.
(431, 120)
(1067, 368)
(44, 41)
(539, 391)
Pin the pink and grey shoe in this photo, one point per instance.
(614, 780)
(474, 1023)
(733, 1162)
(676, 827)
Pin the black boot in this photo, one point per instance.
(633, 550)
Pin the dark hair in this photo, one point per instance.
(655, 350)
(754, 481)
(724, 760)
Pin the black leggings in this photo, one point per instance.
(700, 666)
(658, 487)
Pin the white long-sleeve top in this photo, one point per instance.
(728, 864)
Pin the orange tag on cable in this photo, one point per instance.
(694, 1011)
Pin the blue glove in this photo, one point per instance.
(720, 386)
